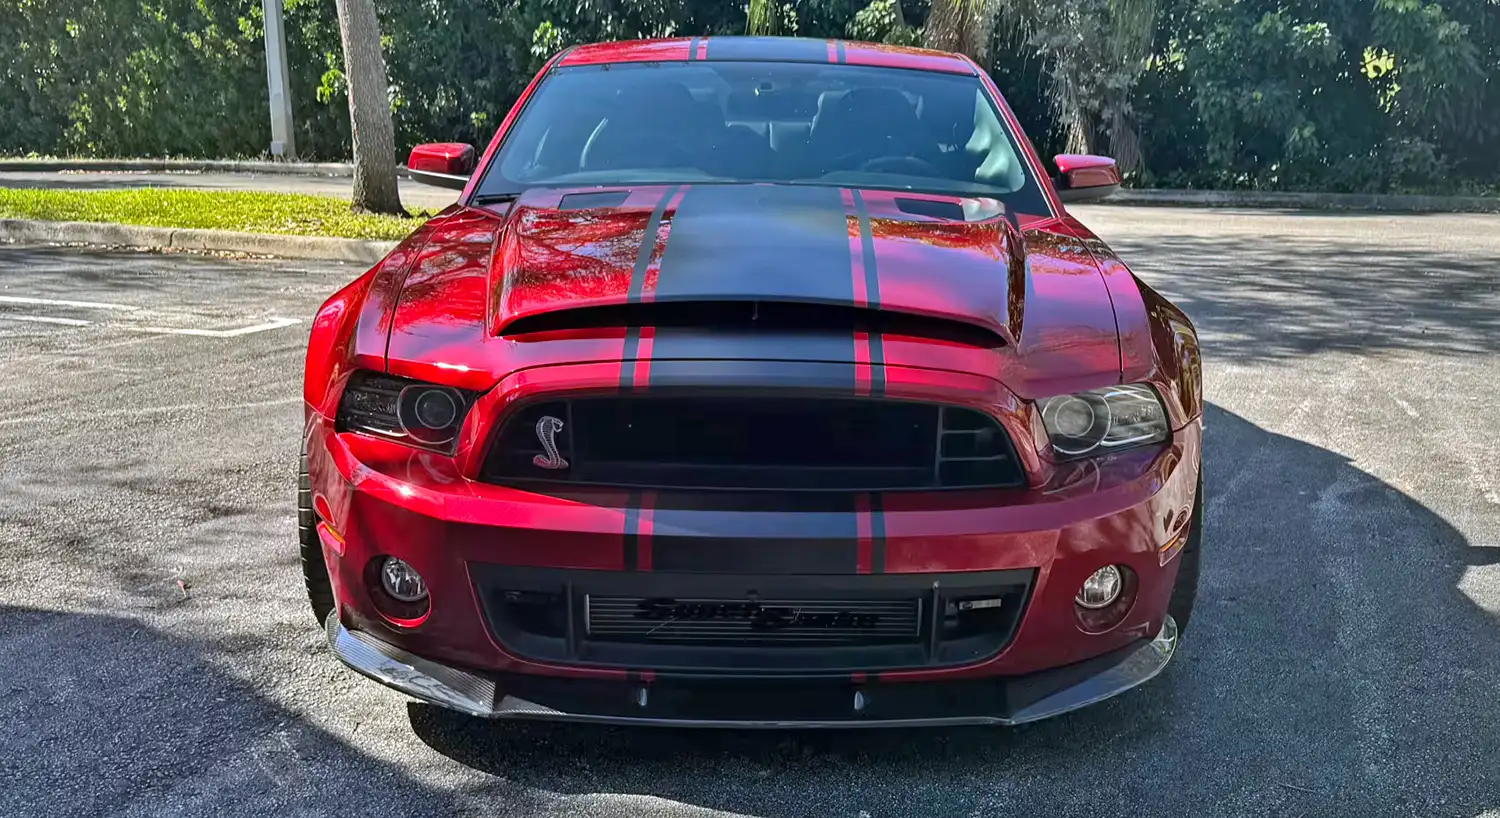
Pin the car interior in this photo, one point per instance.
(771, 122)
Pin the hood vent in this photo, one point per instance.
(770, 316)
(933, 208)
(586, 201)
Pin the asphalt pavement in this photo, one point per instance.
(157, 656)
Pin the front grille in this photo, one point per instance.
(839, 444)
(800, 622)
(750, 624)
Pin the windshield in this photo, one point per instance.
(793, 123)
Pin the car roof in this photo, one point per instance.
(767, 49)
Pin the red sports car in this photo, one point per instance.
(754, 382)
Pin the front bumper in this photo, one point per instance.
(765, 704)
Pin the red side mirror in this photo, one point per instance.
(442, 164)
(1082, 177)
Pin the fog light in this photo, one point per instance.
(1101, 589)
(402, 581)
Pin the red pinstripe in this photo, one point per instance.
(643, 358)
(863, 372)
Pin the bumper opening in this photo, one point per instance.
(746, 624)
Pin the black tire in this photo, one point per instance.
(314, 570)
(1185, 593)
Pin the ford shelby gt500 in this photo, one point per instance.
(754, 382)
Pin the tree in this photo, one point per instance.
(1095, 52)
(961, 26)
(373, 132)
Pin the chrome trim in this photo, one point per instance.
(443, 180)
(475, 695)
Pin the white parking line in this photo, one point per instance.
(55, 302)
(274, 323)
(44, 319)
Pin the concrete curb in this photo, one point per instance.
(160, 165)
(1376, 202)
(360, 251)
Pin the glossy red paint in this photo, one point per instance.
(457, 303)
(1085, 170)
(453, 158)
(769, 48)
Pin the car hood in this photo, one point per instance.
(558, 256)
(803, 244)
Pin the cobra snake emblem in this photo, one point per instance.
(546, 431)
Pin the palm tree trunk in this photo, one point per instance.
(370, 122)
(960, 26)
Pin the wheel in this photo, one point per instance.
(1185, 593)
(314, 570)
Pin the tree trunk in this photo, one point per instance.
(370, 123)
(960, 26)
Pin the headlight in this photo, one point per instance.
(1104, 420)
(420, 413)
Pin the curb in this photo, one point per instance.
(191, 165)
(362, 251)
(1375, 202)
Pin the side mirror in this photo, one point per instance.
(442, 164)
(1083, 178)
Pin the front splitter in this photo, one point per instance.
(483, 696)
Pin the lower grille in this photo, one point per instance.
(710, 622)
(750, 624)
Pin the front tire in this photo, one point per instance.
(314, 569)
(1185, 592)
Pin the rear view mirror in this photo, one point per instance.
(442, 164)
(1083, 177)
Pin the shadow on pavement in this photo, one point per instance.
(105, 716)
(1266, 298)
(1334, 666)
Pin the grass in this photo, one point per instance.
(245, 212)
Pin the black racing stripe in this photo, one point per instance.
(693, 49)
(730, 344)
(633, 531)
(638, 282)
(755, 556)
(758, 243)
(741, 376)
(842, 58)
(627, 358)
(877, 534)
(774, 49)
(872, 292)
(648, 245)
(807, 537)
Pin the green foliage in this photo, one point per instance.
(205, 209)
(1377, 95)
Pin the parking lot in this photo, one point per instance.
(157, 656)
